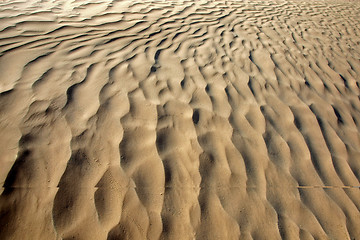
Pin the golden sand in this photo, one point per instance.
(207, 119)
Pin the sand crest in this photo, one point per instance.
(182, 119)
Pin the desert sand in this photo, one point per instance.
(157, 119)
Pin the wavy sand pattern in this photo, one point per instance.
(180, 119)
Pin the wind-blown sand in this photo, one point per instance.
(179, 119)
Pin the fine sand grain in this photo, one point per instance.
(179, 119)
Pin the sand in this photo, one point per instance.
(182, 119)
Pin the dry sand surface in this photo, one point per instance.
(179, 119)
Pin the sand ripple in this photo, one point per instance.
(180, 119)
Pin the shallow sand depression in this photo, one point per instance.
(179, 119)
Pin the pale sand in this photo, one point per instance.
(179, 119)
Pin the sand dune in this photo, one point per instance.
(180, 119)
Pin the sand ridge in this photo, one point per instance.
(180, 119)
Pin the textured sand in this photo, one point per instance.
(179, 119)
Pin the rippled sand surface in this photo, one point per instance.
(208, 119)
